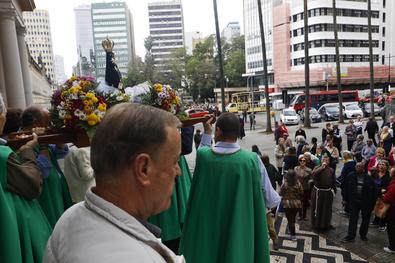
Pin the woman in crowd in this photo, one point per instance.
(337, 138)
(374, 161)
(386, 140)
(279, 152)
(368, 151)
(304, 177)
(334, 154)
(290, 160)
(381, 179)
(291, 192)
(389, 198)
(357, 147)
(313, 147)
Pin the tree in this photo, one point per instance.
(149, 69)
(234, 64)
(136, 74)
(371, 58)
(338, 74)
(306, 66)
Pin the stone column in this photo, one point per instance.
(24, 58)
(2, 80)
(11, 62)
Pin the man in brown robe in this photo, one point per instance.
(322, 195)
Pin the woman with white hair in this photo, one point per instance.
(386, 140)
(24, 228)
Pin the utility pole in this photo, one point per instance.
(338, 73)
(371, 59)
(265, 76)
(306, 66)
(219, 47)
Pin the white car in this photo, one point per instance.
(352, 111)
(289, 116)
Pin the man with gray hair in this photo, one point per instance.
(134, 155)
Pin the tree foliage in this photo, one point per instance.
(196, 74)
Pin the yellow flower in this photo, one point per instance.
(102, 107)
(90, 95)
(86, 102)
(94, 99)
(74, 77)
(92, 119)
(87, 109)
(158, 87)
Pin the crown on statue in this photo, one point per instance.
(107, 44)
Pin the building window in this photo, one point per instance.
(383, 31)
(383, 17)
(382, 59)
(383, 45)
(384, 4)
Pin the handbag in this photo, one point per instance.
(381, 208)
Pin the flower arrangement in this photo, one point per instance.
(77, 105)
(164, 97)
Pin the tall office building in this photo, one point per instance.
(284, 31)
(232, 30)
(39, 41)
(113, 20)
(60, 76)
(166, 25)
(84, 40)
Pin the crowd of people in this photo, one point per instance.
(131, 195)
(307, 176)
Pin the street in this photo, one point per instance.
(311, 247)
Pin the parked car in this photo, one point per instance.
(314, 115)
(231, 107)
(329, 111)
(289, 116)
(196, 113)
(352, 111)
(366, 109)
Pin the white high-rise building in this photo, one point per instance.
(39, 41)
(231, 31)
(83, 30)
(284, 35)
(166, 24)
(191, 38)
(60, 76)
(113, 20)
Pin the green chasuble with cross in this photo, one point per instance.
(225, 219)
(171, 220)
(24, 229)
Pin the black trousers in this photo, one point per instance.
(391, 233)
(290, 213)
(355, 208)
(373, 139)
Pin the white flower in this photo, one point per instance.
(119, 98)
(62, 114)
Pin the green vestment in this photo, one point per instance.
(24, 229)
(55, 197)
(225, 219)
(171, 220)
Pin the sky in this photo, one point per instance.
(198, 16)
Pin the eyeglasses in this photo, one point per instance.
(302, 160)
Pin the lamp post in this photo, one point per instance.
(250, 76)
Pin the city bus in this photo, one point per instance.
(319, 98)
(242, 101)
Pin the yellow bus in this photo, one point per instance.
(242, 101)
